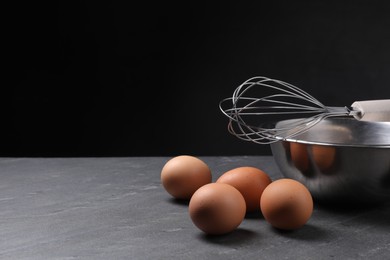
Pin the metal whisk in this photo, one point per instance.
(254, 117)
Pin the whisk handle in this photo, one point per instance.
(372, 110)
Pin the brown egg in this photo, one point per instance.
(324, 156)
(182, 175)
(250, 181)
(286, 204)
(217, 208)
(299, 156)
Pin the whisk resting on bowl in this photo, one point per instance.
(258, 104)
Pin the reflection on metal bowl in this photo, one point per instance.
(339, 159)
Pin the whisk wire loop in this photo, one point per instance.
(255, 117)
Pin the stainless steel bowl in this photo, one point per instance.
(339, 160)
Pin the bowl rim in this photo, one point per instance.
(349, 124)
(292, 140)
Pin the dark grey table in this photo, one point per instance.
(116, 208)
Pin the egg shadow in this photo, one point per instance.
(254, 215)
(306, 233)
(238, 236)
(181, 202)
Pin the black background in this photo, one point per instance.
(126, 79)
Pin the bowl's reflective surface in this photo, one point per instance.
(339, 160)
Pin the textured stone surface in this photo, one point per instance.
(116, 208)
